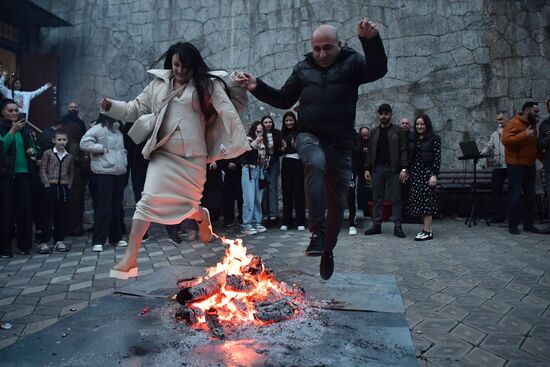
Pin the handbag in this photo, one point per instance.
(143, 127)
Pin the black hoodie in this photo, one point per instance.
(328, 96)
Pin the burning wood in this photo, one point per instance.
(274, 311)
(240, 289)
(202, 290)
(238, 284)
(213, 323)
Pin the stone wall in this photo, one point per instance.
(459, 61)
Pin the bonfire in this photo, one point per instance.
(239, 290)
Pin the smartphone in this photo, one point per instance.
(22, 116)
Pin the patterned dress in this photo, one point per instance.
(422, 197)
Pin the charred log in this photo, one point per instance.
(255, 266)
(201, 291)
(188, 314)
(213, 323)
(188, 282)
(241, 306)
(274, 311)
(238, 283)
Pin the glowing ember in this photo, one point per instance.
(239, 289)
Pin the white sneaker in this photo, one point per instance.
(284, 228)
(249, 231)
(301, 228)
(122, 243)
(97, 248)
(260, 228)
(352, 231)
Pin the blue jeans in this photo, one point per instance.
(327, 171)
(521, 178)
(252, 196)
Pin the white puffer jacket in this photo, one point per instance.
(106, 148)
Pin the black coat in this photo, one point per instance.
(328, 96)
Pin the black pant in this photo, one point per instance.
(108, 199)
(16, 208)
(75, 206)
(352, 194)
(232, 191)
(498, 177)
(292, 183)
(521, 180)
(383, 176)
(364, 193)
(56, 197)
(7, 188)
(327, 170)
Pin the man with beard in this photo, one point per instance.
(326, 83)
(76, 129)
(387, 160)
(519, 138)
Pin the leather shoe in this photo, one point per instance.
(513, 230)
(398, 232)
(531, 229)
(374, 229)
(326, 268)
(316, 244)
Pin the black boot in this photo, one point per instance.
(326, 268)
(316, 244)
(398, 232)
(374, 229)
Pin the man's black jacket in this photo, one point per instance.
(328, 96)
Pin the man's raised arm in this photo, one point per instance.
(375, 63)
(283, 98)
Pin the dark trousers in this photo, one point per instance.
(75, 206)
(384, 178)
(521, 178)
(41, 212)
(232, 191)
(327, 170)
(352, 194)
(16, 208)
(498, 177)
(7, 189)
(364, 193)
(108, 199)
(56, 197)
(292, 184)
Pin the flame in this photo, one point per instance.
(237, 307)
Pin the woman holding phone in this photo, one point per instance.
(16, 166)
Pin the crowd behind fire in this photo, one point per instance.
(44, 175)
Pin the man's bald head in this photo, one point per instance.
(325, 45)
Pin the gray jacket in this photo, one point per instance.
(106, 148)
(495, 148)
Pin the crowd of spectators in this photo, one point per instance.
(43, 177)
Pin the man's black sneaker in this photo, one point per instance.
(326, 268)
(316, 244)
(374, 229)
(398, 232)
(513, 230)
(531, 229)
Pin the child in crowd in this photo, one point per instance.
(56, 173)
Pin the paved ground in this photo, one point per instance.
(473, 296)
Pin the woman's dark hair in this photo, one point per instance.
(191, 58)
(106, 121)
(427, 122)
(285, 129)
(252, 130)
(265, 117)
(13, 86)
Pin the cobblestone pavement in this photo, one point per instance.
(473, 296)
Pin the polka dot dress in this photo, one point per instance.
(423, 198)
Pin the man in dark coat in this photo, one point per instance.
(326, 83)
(544, 145)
